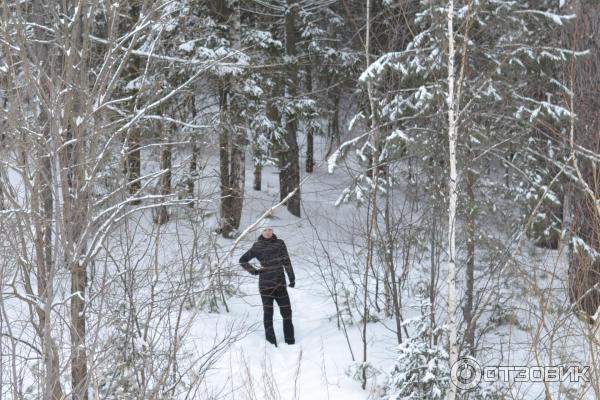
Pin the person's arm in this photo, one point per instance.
(247, 256)
(287, 263)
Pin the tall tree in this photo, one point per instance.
(42, 197)
(289, 156)
(133, 80)
(75, 197)
(452, 198)
(232, 127)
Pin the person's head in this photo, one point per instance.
(267, 233)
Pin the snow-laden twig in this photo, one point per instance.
(176, 121)
(556, 18)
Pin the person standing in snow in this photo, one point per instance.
(274, 259)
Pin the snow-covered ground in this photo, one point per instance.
(538, 330)
(313, 368)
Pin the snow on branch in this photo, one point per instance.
(342, 150)
(556, 18)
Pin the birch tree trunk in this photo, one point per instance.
(3, 118)
(451, 100)
(373, 217)
(468, 310)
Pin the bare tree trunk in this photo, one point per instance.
(224, 163)
(165, 178)
(193, 170)
(237, 171)
(232, 145)
(78, 331)
(451, 100)
(75, 197)
(274, 116)
(471, 231)
(3, 117)
(43, 201)
(433, 271)
(43, 206)
(368, 266)
(133, 160)
(388, 310)
(283, 156)
(193, 173)
(237, 175)
(257, 167)
(237, 178)
(310, 156)
(334, 124)
(74, 216)
(336, 135)
(389, 256)
(290, 162)
(373, 217)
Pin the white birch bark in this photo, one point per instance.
(451, 322)
(375, 139)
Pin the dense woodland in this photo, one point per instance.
(463, 135)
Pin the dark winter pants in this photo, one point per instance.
(280, 295)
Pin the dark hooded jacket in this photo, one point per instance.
(274, 258)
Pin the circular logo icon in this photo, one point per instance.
(465, 373)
